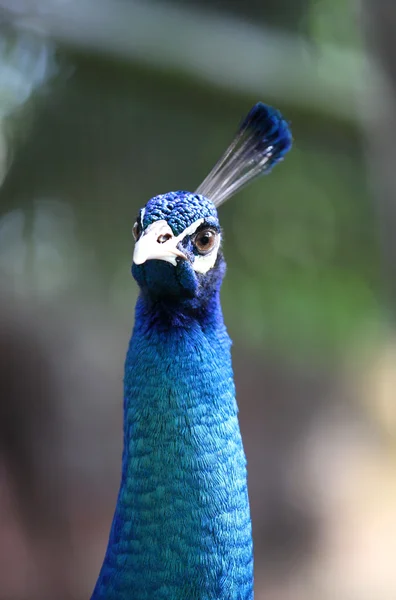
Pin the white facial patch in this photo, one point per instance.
(142, 213)
(203, 263)
(190, 229)
(158, 242)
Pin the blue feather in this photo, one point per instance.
(270, 133)
(181, 528)
(263, 139)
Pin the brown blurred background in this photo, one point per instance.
(104, 104)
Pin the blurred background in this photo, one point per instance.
(106, 103)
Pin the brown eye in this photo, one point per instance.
(136, 231)
(205, 240)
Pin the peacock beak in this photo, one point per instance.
(157, 242)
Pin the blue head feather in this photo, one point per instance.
(179, 209)
(262, 140)
(269, 133)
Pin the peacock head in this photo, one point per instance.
(177, 235)
(177, 250)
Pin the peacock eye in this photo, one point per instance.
(136, 230)
(205, 240)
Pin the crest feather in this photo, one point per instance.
(263, 139)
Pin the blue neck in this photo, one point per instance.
(181, 529)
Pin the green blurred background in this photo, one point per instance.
(105, 104)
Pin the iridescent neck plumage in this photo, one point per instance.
(182, 528)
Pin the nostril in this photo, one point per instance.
(164, 237)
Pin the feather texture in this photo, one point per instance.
(182, 527)
(262, 140)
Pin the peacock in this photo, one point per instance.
(182, 528)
